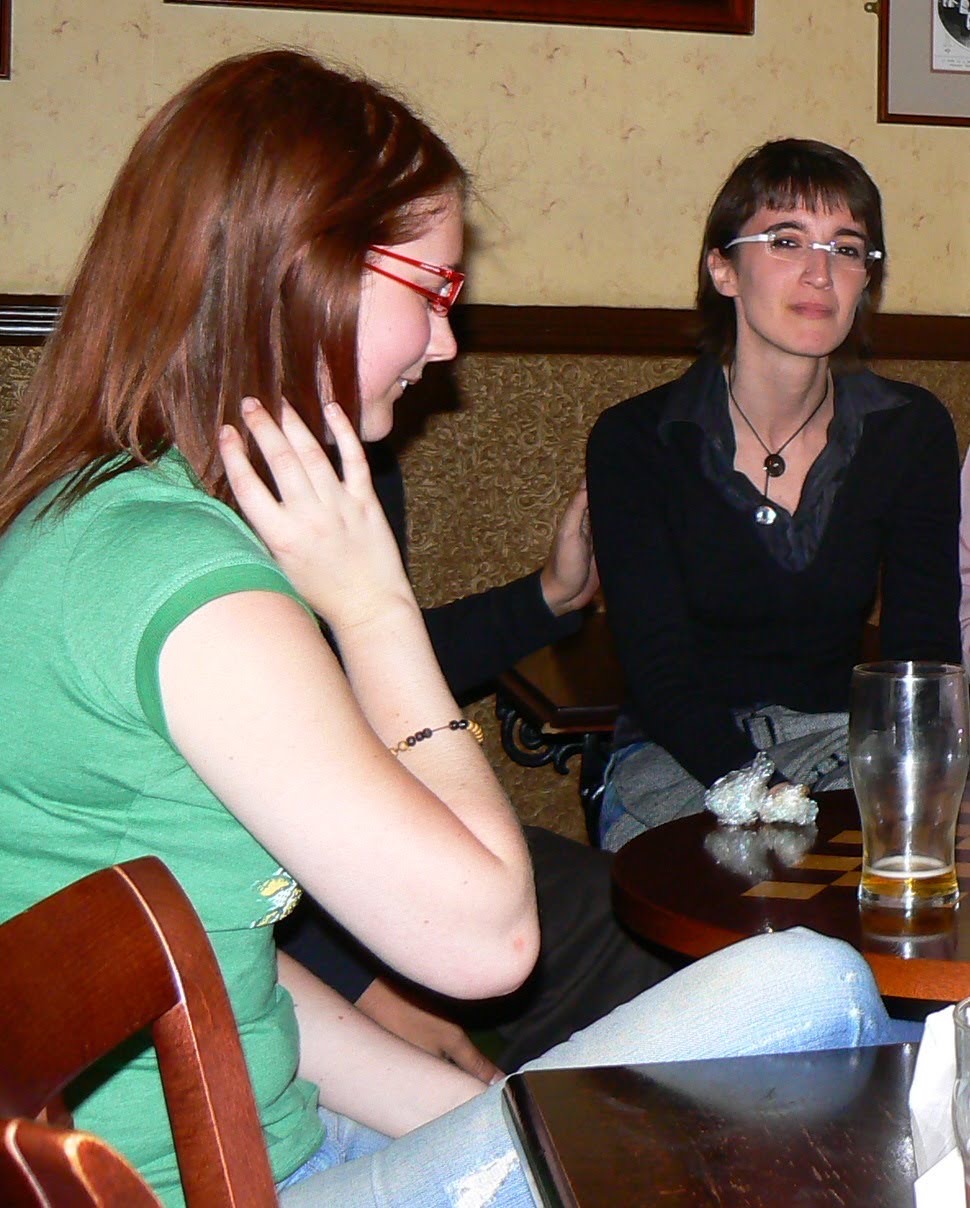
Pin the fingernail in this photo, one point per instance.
(226, 431)
(248, 405)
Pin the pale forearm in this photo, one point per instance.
(401, 690)
(364, 1071)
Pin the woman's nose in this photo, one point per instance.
(442, 346)
(818, 265)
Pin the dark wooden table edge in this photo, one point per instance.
(541, 711)
(537, 1150)
(951, 979)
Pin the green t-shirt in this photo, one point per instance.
(88, 775)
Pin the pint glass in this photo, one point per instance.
(908, 753)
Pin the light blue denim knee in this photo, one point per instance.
(785, 992)
(344, 1141)
(781, 993)
(465, 1159)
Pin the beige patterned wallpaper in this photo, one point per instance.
(596, 151)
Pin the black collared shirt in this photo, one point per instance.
(792, 540)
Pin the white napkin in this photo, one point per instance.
(938, 1161)
(942, 1185)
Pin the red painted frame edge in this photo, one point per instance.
(701, 16)
(5, 6)
(882, 112)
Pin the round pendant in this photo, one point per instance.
(765, 515)
(775, 465)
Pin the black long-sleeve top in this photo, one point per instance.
(710, 612)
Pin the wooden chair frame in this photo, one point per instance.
(46, 1167)
(113, 954)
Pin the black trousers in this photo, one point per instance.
(587, 963)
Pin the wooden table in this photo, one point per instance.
(562, 701)
(807, 1129)
(696, 886)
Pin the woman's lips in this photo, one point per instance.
(813, 310)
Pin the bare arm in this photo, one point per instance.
(364, 1071)
(404, 1015)
(421, 858)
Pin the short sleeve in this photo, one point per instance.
(137, 571)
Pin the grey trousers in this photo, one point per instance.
(646, 787)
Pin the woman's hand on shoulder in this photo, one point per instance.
(569, 577)
(327, 531)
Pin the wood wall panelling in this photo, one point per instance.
(611, 331)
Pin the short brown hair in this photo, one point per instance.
(781, 175)
(227, 261)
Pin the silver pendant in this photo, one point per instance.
(765, 514)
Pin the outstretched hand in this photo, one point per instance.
(569, 578)
(327, 532)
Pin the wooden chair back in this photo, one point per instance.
(46, 1167)
(115, 953)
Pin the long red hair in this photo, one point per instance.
(227, 261)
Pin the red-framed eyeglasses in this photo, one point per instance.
(441, 300)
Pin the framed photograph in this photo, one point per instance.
(707, 16)
(5, 39)
(924, 62)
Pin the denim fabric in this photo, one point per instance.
(611, 804)
(345, 1140)
(646, 787)
(780, 993)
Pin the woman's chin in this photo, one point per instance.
(371, 431)
(375, 425)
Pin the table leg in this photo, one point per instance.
(531, 746)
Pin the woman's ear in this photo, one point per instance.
(723, 274)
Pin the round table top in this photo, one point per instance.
(696, 886)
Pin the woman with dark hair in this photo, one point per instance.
(747, 517)
(287, 232)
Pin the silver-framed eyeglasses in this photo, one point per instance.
(441, 300)
(850, 253)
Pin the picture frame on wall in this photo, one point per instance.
(701, 16)
(924, 62)
(5, 39)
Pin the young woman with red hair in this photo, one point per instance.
(286, 233)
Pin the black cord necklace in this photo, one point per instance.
(775, 465)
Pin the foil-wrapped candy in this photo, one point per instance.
(742, 797)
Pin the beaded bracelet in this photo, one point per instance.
(458, 723)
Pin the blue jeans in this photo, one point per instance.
(781, 993)
(646, 787)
